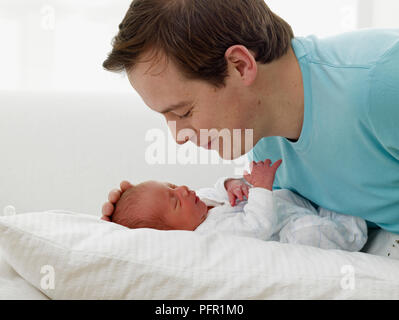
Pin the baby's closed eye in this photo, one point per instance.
(176, 202)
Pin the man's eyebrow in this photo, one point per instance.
(176, 106)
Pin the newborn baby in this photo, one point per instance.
(279, 215)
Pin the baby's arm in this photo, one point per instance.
(257, 219)
(228, 189)
(217, 193)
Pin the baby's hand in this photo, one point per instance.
(236, 189)
(262, 174)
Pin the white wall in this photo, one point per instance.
(64, 151)
(385, 13)
(322, 18)
(59, 45)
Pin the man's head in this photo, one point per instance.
(161, 206)
(205, 53)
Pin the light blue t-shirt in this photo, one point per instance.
(347, 156)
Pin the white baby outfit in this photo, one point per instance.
(280, 215)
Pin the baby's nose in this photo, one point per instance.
(185, 191)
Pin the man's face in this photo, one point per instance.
(204, 107)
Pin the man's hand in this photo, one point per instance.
(236, 189)
(113, 197)
(262, 174)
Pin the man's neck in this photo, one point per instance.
(282, 95)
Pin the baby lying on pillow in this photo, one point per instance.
(279, 215)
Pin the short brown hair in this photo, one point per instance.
(195, 35)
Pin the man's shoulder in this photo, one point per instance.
(360, 48)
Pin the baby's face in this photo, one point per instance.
(181, 209)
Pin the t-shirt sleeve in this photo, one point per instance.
(384, 101)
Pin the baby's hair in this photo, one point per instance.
(131, 212)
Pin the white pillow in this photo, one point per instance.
(13, 287)
(94, 259)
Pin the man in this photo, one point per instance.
(328, 107)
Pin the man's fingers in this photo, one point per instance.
(114, 195)
(268, 162)
(125, 185)
(107, 209)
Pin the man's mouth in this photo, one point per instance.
(196, 199)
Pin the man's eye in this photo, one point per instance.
(186, 115)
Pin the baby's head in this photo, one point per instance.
(161, 206)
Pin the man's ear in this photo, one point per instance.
(244, 61)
